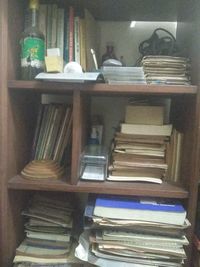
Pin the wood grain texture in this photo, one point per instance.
(77, 122)
(188, 40)
(118, 188)
(101, 88)
(3, 132)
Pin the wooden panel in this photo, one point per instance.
(3, 135)
(194, 156)
(137, 10)
(81, 105)
(188, 33)
(76, 135)
(42, 87)
(127, 10)
(10, 205)
(118, 188)
(93, 88)
(22, 120)
(15, 29)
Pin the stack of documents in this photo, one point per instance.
(133, 232)
(140, 147)
(139, 158)
(123, 75)
(48, 232)
(166, 70)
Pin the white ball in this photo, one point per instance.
(73, 67)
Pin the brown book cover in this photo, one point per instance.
(144, 114)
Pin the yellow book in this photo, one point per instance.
(82, 44)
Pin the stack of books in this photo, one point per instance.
(139, 149)
(144, 232)
(123, 75)
(166, 70)
(71, 30)
(51, 148)
(196, 237)
(48, 232)
(53, 132)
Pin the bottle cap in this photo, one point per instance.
(34, 4)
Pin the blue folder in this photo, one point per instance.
(139, 203)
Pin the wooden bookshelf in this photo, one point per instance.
(19, 101)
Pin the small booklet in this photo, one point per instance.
(69, 77)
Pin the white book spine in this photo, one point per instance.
(60, 30)
(77, 39)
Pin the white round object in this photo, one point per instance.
(73, 67)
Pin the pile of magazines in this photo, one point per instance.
(166, 70)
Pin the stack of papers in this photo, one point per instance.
(48, 233)
(166, 70)
(123, 75)
(138, 158)
(141, 232)
(139, 149)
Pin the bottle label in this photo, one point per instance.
(32, 52)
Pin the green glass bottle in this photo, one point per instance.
(32, 46)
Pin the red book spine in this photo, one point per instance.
(71, 33)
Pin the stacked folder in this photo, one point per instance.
(123, 75)
(144, 232)
(48, 233)
(166, 70)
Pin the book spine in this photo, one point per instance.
(46, 130)
(77, 39)
(49, 25)
(37, 131)
(66, 139)
(54, 26)
(56, 130)
(66, 36)
(43, 21)
(71, 33)
(61, 134)
(82, 44)
(60, 31)
(49, 133)
(41, 132)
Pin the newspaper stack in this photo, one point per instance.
(48, 234)
(166, 70)
(114, 236)
(123, 75)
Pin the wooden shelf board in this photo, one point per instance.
(127, 10)
(61, 87)
(39, 86)
(140, 88)
(118, 188)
